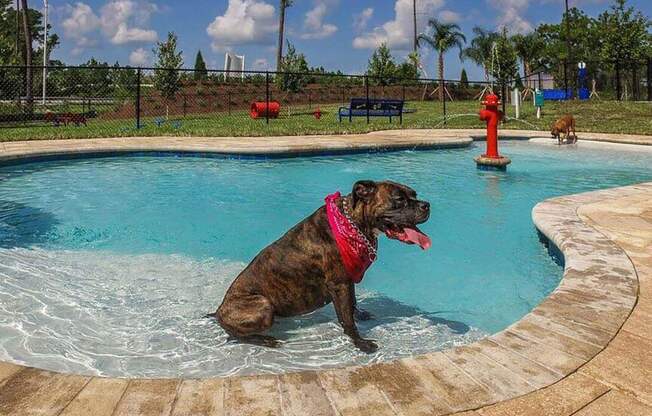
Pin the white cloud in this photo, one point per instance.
(261, 64)
(511, 15)
(361, 20)
(122, 21)
(126, 34)
(244, 22)
(449, 16)
(314, 25)
(119, 21)
(398, 33)
(139, 57)
(80, 25)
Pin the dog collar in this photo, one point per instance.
(356, 252)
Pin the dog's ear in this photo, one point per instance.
(363, 191)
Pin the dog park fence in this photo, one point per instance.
(124, 99)
(627, 80)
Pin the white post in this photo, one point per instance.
(517, 103)
(45, 50)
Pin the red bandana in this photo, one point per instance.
(352, 245)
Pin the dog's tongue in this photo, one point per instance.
(411, 236)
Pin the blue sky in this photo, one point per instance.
(336, 34)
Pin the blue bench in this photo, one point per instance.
(376, 107)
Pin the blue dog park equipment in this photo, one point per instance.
(560, 94)
(557, 94)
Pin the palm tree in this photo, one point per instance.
(27, 54)
(480, 50)
(284, 4)
(528, 47)
(443, 37)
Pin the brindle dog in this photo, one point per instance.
(303, 271)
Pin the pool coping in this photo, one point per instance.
(280, 146)
(558, 341)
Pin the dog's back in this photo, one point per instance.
(565, 125)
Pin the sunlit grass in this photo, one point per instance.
(594, 116)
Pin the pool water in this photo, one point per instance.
(108, 265)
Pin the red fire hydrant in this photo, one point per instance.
(492, 115)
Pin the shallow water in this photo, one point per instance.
(107, 266)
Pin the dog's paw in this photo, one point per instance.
(366, 345)
(271, 343)
(362, 315)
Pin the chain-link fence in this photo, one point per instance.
(600, 80)
(121, 101)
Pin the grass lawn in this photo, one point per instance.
(593, 116)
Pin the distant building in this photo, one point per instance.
(542, 81)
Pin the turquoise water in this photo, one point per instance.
(107, 265)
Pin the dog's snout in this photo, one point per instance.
(424, 206)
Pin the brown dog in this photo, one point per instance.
(306, 268)
(565, 126)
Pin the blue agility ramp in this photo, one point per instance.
(557, 94)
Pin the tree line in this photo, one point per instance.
(619, 34)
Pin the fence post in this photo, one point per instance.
(540, 81)
(566, 82)
(503, 92)
(138, 79)
(267, 97)
(619, 95)
(649, 79)
(443, 85)
(634, 81)
(366, 83)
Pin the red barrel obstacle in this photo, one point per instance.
(261, 109)
(492, 115)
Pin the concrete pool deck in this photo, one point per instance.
(585, 350)
(287, 145)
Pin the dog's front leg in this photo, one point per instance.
(344, 303)
(359, 314)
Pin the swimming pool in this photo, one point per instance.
(108, 265)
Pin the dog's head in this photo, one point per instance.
(392, 209)
(556, 131)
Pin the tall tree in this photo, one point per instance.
(480, 50)
(284, 4)
(381, 68)
(123, 81)
(505, 69)
(295, 69)
(464, 79)
(528, 48)
(624, 33)
(584, 39)
(201, 73)
(409, 69)
(12, 47)
(166, 76)
(442, 38)
(27, 57)
(94, 79)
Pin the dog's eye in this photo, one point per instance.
(400, 200)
